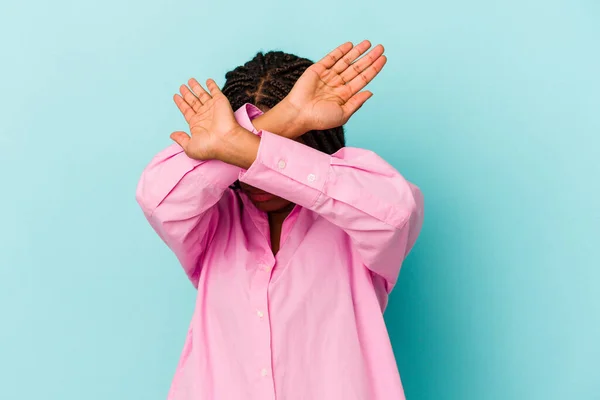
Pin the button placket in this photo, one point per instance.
(264, 267)
(262, 332)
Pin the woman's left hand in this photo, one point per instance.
(329, 91)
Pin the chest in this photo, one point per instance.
(308, 251)
(313, 266)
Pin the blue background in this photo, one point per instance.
(491, 107)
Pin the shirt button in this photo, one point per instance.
(264, 372)
(281, 164)
(265, 267)
(311, 177)
(260, 314)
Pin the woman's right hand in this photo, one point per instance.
(211, 119)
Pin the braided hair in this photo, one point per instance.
(265, 80)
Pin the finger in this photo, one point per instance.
(184, 107)
(355, 102)
(352, 55)
(362, 79)
(202, 94)
(190, 98)
(181, 138)
(332, 57)
(359, 66)
(213, 87)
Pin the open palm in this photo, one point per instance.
(209, 116)
(329, 91)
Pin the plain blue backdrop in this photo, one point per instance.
(491, 107)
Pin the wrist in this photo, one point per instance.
(284, 120)
(239, 148)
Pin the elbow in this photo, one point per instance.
(407, 217)
(143, 197)
(418, 202)
(406, 209)
(414, 220)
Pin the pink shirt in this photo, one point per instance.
(306, 324)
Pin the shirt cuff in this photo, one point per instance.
(245, 114)
(288, 169)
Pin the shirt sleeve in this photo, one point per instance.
(180, 198)
(354, 189)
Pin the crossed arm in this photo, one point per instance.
(354, 189)
(325, 96)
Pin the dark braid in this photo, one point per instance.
(265, 80)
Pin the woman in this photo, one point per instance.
(293, 241)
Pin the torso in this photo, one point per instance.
(304, 324)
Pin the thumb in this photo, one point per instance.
(181, 138)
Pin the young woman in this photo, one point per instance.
(293, 241)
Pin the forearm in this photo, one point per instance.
(240, 149)
(283, 120)
(352, 185)
(354, 189)
(171, 173)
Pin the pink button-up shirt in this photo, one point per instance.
(306, 324)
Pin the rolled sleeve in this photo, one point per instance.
(288, 169)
